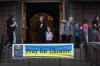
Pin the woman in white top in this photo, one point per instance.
(49, 35)
(14, 26)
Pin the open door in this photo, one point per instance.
(50, 10)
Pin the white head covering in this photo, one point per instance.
(63, 20)
(71, 18)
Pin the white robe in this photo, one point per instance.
(49, 36)
(14, 37)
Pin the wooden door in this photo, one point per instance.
(24, 21)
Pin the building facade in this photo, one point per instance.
(25, 10)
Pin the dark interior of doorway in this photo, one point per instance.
(51, 8)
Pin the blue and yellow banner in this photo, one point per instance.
(43, 50)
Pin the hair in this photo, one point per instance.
(85, 21)
(48, 26)
(70, 17)
(94, 20)
(10, 19)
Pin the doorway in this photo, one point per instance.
(49, 21)
(51, 13)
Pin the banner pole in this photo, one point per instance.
(60, 62)
(29, 62)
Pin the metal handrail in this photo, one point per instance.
(1, 36)
(94, 52)
(1, 44)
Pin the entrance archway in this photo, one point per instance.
(49, 21)
(50, 10)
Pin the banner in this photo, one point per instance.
(43, 50)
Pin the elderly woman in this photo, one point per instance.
(62, 29)
(69, 29)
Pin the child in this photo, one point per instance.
(49, 35)
(85, 30)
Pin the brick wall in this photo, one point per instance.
(7, 9)
(83, 10)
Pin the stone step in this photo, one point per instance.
(13, 64)
(79, 56)
(42, 60)
(47, 64)
(76, 64)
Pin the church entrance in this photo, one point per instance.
(51, 13)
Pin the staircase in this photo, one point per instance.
(79, 60)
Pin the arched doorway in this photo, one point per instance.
(33, 21)
(48, 9)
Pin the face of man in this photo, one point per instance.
(41, 18)
(71, 19)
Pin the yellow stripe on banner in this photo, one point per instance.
(48, 54)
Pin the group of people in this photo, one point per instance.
(43, 32)
(67, 30)
(70, 29)
(92, 33)
(96, 30)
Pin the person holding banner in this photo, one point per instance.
(40, 31)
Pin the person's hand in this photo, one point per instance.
(16, 25)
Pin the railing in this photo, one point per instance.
(2, 27)
(93, 52)
(90, 53)
(79, 56)
(1, 44)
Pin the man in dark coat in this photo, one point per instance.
(40, 30)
